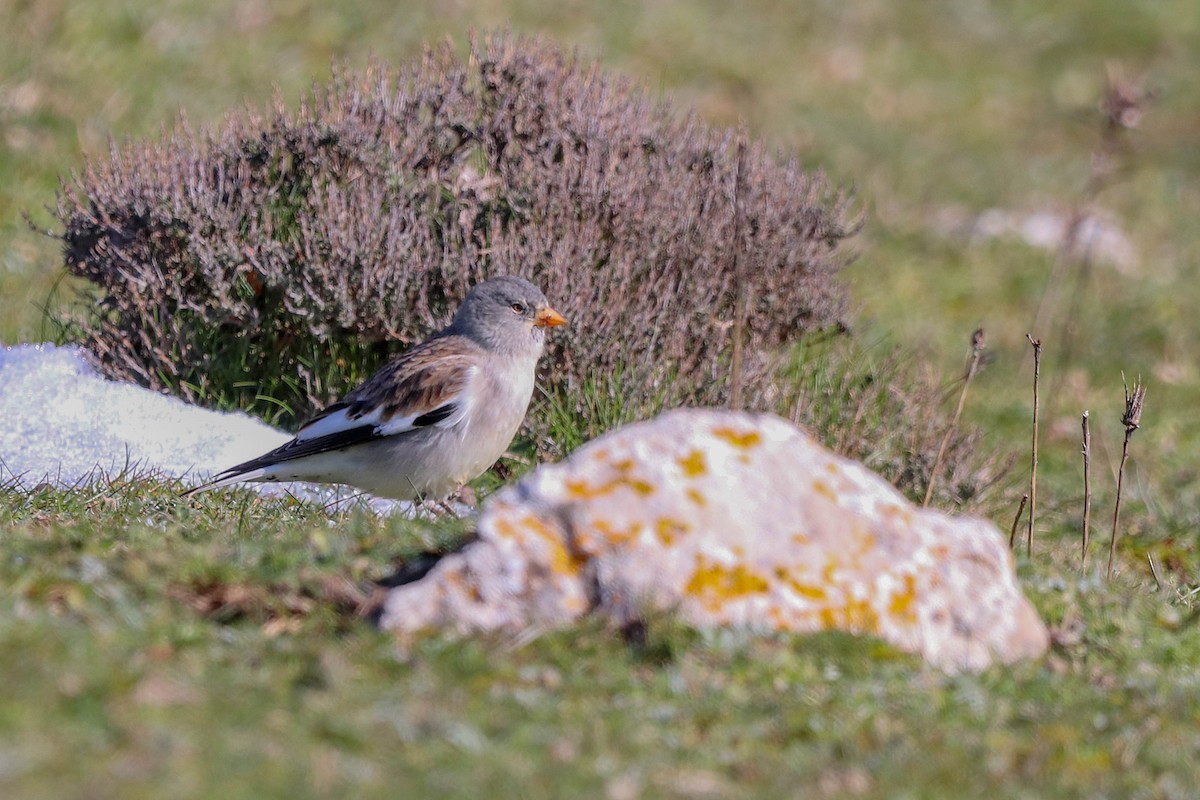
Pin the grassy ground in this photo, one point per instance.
(155, 649)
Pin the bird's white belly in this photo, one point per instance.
(428, 463)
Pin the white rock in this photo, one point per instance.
(734, 520)
(1098, 235)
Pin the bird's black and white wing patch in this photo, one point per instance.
(426, 387)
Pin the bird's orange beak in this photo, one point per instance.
(549, 318)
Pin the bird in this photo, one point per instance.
(436, 416)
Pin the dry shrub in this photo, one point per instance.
(311, 243)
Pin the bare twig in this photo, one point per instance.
(1154, 572)
(978, 343)
(1087, 492)
(1121, 107)
(1037, 371)
(1012, 536)
(1131, 419)
(741, 294)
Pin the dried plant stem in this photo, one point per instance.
(1112, 543)
(1113, 159)
(1037, 372)
(1154, 572)
(1132, 419)
(977, 346)
(1012, 536)
(1087, 491)
(741, 292)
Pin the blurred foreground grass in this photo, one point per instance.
(937, 112)
(154, 648)
(124, 683)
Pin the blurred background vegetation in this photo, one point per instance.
(936, 112)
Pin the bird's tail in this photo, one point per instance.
(226, 478)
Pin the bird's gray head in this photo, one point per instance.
(507, 315)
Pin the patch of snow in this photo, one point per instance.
(64, 424)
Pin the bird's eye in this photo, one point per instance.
(518, 308)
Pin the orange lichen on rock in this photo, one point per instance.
(505, 529)
(562, 560)
(806, 590)
(865, 546)
(669, 530)
(859, 617)
(717, 582)
(743, 440)
(822, 488)
(580, 489)
(641, 487)
(693, 464)
(829, 573)
(609, 534)
(903, 605)
(731, 519)
(855, 615)
(896, 511)
(583, 490)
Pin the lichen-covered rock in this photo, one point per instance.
(733, 519)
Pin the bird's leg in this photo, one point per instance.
(444, 507)
(427, 507)
(434, 508)
(466, 496)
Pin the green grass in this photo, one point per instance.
(128, 677)
(156, 648)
